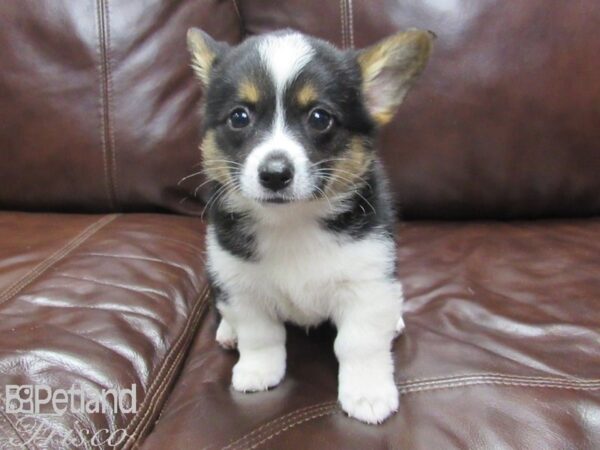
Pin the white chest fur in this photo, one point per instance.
(299, 267)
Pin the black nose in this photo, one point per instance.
(276, 172)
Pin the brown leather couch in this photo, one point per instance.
(495, 160)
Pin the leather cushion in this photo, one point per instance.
(96, 302)
(99, 109)
(500, 351)
(503, 123)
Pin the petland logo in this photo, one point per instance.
(42, 399)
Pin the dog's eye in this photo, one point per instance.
(239, 118)
(320, 120)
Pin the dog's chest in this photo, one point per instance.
(299, 269)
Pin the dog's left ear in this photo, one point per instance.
(205, 51)
(389, 69)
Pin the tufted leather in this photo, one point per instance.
(99, 113)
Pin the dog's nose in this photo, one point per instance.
(276, 172)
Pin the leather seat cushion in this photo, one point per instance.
(500, 351)
(97, 302)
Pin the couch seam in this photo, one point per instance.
(316, 415)
(163, 377)
(105, 102)
(478, 382)
(350, 13)
(343, 21)
(238, 12)
(100, 30)
(160, 398)
(406, 392)
(110, 105)
(265, 427)
(57, 256)
(496, 374)
(145, 421)
(13, 427)
(275, 427)
(413, 386)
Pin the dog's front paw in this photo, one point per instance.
(400, 326)
(369, 400)
(226, 336)
(258, 374)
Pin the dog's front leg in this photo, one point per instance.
(261, 345)
(367, 319)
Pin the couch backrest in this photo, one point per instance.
(99, 109)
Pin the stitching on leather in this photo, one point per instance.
(351, 22)
(38, 270)
(100, 29)
(236, 6)
(272, 424)
(419, 380)
(282, 425)
(105, 99)
(325, 412)
(109, 106)
(343, 21)
(13, 427)
(426, 389)
(162, 380)
(492, 375)
(158, 402)
(411, 387)
(163, 384)
(416, 389)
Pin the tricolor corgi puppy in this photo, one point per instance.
(300, 221)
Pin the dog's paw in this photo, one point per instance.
(368, 400)
(252, 375)
(226, 336)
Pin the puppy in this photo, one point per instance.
(300, 221)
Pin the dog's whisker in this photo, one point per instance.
(235, 173)
(333, 171)
(212, 200)
(204, 171)
(325, 161)
(324, 195)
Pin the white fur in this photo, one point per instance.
(306, 275)
(278, 141)
(226, 336)
(284, 56)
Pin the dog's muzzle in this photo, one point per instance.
(276, 172)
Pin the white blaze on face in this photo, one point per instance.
(284, 56)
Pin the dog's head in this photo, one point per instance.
(288, 117)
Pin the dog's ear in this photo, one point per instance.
(390, 67)
(204, 50)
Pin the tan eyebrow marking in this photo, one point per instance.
(306, 95)
(248, 91)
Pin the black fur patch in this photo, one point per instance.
(232, 231)
(370, 209)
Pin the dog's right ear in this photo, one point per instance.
(204, 50)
